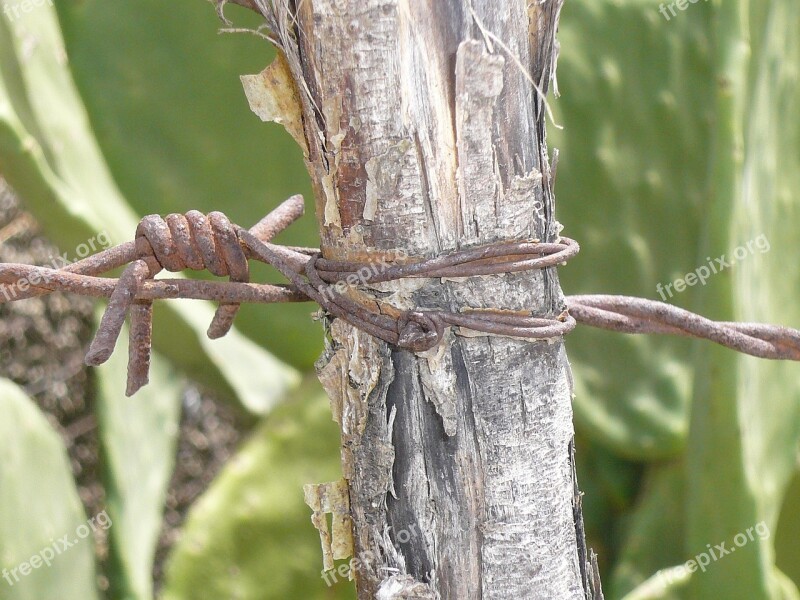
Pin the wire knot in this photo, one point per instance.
(195, 242)
(419, 331)
(175, 243)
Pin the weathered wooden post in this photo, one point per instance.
(424, 127)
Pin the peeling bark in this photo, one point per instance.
(424, 134)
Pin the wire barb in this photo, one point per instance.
(212, 242)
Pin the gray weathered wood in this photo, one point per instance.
(425, 134)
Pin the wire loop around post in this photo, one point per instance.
(198, 242)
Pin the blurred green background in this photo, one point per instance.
(680, 143)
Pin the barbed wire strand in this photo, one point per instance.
(211, 242)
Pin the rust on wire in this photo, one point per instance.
(195, 241)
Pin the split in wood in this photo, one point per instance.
(199, 242)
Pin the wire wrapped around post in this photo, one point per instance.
(211, 242)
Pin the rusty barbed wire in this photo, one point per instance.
(211, 242)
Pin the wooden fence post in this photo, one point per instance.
(424, 128)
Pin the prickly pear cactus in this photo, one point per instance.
(681, 147)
